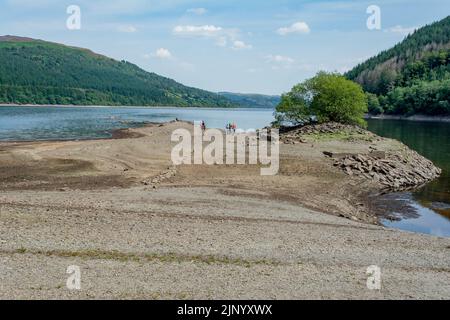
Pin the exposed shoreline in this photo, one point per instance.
(190, 231)
(134, 133)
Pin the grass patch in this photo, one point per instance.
(347, 136)
(21, 250)
(146, 257)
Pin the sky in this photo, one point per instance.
(248, 46)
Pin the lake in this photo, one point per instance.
(67, 123)
(429, 207)
(431, 204)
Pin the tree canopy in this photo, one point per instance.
(411, 78)
(39, 72)
(326, 97)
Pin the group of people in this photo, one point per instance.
(231, 127)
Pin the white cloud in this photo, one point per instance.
(298, 27)
(127, 29)
(280, 59)
(204, 31)
(175, 62)
(221, 36)
(402, 30)
(198, 11)
(279, 62)
(240, 45)
(162, 53)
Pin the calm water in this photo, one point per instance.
(432, 202)
(66, 123)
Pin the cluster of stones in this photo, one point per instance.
(397, 171)
(295, 135)
(165, 175)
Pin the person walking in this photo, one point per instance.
(203, 126)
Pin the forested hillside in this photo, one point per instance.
(411, 78)
(252, 100)
(38, 72)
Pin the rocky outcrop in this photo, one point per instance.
(329, 127)
(392, 170)
(295, 135)
(395, 172)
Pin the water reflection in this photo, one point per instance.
(432, 202)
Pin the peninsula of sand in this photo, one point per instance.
(140, 227)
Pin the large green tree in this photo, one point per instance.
(327, 97)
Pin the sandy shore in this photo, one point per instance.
(200, 231)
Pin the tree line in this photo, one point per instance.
(411, 78)
(38, 72)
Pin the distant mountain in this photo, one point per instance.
(39, 72)
(411, 78)
(252, 100)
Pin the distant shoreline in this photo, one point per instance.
(411, 118)
(149, 107)
(95, 106)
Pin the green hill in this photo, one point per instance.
(39, 72)
(411, 78)
(252, 100)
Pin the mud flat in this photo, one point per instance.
(140, 228)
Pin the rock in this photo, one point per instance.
(165, 175)
(347, 162)
(378, 154)
(396, 171)
(349, 171)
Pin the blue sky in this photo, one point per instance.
(253, 46)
